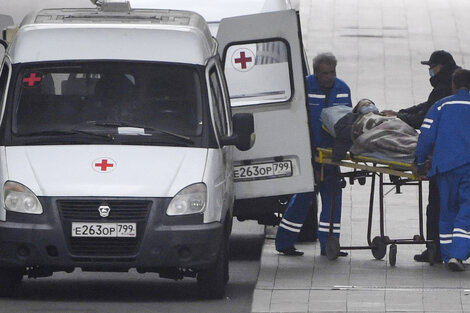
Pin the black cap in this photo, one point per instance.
(440, 57)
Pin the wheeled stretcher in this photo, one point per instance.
(400, 175)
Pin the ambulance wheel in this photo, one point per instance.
(379, 248)
(392, 254)
(212, 281)
(432, 251)
(332, 248)
(10, 278)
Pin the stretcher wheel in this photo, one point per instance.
(361, 180)
(394, 179)
(392, 254)
(332, 248)
(379, 248)
(432, 251)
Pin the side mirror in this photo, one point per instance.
(243, 132)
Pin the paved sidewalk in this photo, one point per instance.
(379, 45)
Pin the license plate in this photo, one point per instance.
(263, 171)
(104, 229)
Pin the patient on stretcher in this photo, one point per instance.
(364, 131)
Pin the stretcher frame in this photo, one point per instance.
(401, 175)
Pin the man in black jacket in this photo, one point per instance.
(441, 67)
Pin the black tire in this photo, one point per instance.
(309, 230)
(332, 248)
(212, 281)
(10, 278)
(432, 251)
(379, 248)
(392, 254)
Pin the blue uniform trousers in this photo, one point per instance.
(292, 220)
(331, 185)
(299, 205)
(454, 224)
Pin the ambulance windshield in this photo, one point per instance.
(60, 98)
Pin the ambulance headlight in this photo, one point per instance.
(190, 200)
(18, 198)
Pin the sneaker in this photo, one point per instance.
(424, 257)
(455, 265)
(291, 251)
(341, 253)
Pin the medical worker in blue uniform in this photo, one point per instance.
(324, 90)
(445, 134)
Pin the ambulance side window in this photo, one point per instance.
(218, 102)
(258, 73)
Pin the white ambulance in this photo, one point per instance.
(117, 135)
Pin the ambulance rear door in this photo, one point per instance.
(262, 60)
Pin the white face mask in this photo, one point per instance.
(369, 108)
(431, 73)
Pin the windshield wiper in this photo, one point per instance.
(63, 132)
(146, 128)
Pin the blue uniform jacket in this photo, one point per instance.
(446, 128)
(339, 94)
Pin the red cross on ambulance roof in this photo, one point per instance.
(243, 59)
(32, 80)
(104, 165)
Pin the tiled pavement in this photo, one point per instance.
(379, 45)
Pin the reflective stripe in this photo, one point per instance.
(327, 230)
(295, 230)
(342, 95)
(460, 230)
(445, 235)
(328, 224)
(428, 120)
(444, 242)
(291, 223)
(426, 126)
(462, 236)
(317, 96)
(453, 102)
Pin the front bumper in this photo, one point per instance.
(162, 241)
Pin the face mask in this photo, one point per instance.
(369, 108)
(431, 73)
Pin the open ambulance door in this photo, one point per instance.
(262, 59)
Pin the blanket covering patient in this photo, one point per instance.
(364, 131)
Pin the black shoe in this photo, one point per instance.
(291, 251)
(341, 253)
(424, 257)
(455, 265)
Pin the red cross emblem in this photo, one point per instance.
(104, 165)
(32, 79)
(243, 59)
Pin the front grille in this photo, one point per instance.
(103, 246)
(87, 210)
